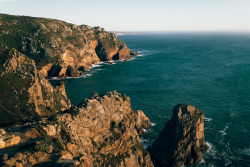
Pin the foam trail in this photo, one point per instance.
(153, 124)
(207, 119)
(223, 132)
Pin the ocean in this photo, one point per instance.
(210, 71)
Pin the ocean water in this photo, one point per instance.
(209, 71)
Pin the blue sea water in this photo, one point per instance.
(207, 70)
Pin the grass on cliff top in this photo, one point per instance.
(25, 34)
(112, 160)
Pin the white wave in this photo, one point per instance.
(54, 78)
(88, 75)
(140, 55)
(96, 65)
(223, 132)
(131, 59)
(82, 76)
(109, 62)
(144, 142)
(232, 116)
(202, 161)
(207, 119)
(245, 151)
(153, 124)
(211, 149)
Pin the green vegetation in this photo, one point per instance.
(46, 143)
(122, 127)
(112, 160)
(124, 97)
(74, 113)
(65, 135)
(14, 99)
(53, 119)
(112, 125)
(139, 146)
(116, 131)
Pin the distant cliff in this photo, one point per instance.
(182, 140)
(60, 49)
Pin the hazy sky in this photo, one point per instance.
(140, 15)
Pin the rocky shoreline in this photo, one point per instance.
(40, 127)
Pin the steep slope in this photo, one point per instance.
(182, 140)
(60, 49)
(102, 131)
(24, 95)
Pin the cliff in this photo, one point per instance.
(60, 49)
(102, 131)
(24, 95)
(182, 139)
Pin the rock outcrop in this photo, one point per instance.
(102, 131)
(182, 140)
(60, 49)
(24, 95)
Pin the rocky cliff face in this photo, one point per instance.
(182, 139)
(60, 49)
(102, 131)
(24, 95)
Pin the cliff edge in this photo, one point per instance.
(182, 139)
(101, 131)
(60, 49)
(25, 96)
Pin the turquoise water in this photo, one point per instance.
(208, 71)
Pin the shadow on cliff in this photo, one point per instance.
(181, 142)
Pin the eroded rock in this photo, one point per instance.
(24, 95)
(182, 139)
(101, 131)
(60, 49)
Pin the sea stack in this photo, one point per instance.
(182, 139)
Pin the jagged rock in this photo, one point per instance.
(9, 141)
(105, 130)
(134, 53)
(142, 121)
(101, 131)
(72, 72)
(2, 132)
(94, 95)
(182, 139)
(60, 49)
(24, 95)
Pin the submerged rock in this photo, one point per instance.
(182, 139)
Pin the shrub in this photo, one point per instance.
(65, 135)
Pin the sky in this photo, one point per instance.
(140, 15)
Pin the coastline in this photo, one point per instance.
(96, 65)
